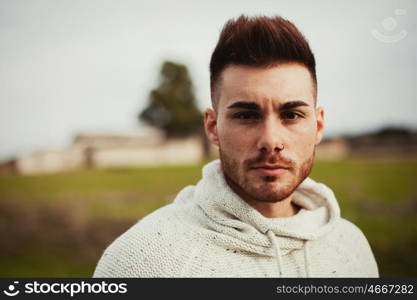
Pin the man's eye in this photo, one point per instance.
(290, 115)
(247, 115)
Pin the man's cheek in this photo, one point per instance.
(303, 151)
(232, 142)
(304, 143)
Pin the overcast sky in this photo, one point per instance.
(86, 66)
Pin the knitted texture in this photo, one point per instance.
(209, 231)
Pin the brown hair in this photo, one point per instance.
(259, 42)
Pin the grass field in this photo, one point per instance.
(58, 225)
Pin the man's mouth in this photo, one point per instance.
(270, 170)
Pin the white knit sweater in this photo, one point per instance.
(209, 231)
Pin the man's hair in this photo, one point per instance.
(259, 42)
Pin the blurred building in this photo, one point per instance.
(333, 149)
(149, 148)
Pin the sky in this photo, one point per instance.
(71, 67)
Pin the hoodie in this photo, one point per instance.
(209, 231)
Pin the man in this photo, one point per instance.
(255, 212)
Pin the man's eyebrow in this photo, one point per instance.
(255, 106)
(292, 104)
(245, 105)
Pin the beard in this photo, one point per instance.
(247, 184)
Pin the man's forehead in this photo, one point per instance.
(281, 83)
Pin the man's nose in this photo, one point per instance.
(271, 136)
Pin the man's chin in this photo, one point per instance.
(271, 191)
(272, 195)
(280, 179)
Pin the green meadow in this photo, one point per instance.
(58, 225)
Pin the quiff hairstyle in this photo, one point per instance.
(259, 42)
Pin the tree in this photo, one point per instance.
(172, 105)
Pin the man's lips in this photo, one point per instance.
(270, 170)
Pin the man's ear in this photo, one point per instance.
(320, 124)
(210, 125)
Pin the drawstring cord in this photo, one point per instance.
(273, 239)
(277, 250)
(306, 260)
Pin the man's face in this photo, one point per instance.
(266, 126)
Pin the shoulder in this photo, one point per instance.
(156, 246)
(353, 241)
(346, 229)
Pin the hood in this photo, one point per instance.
(248, 230)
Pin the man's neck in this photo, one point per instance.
(281, 209)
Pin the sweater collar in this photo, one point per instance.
(222, 205)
